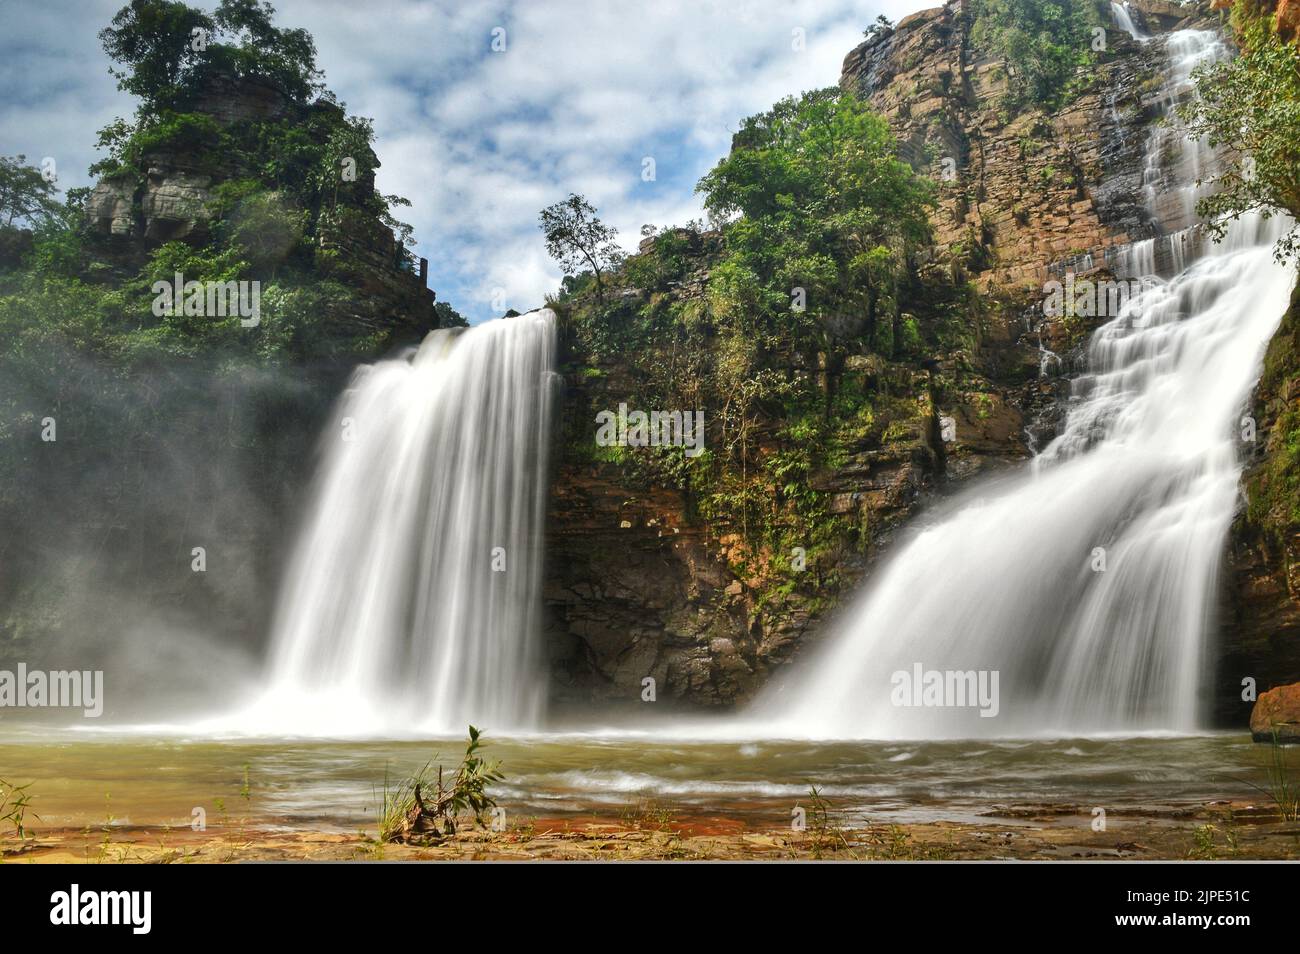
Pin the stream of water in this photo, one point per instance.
(411, 602)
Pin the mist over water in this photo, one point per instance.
(411, 600)
(1086, 585)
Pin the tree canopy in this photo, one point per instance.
(26, 196)
(821, 215)
(167, 49)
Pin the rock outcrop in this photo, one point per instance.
(639, 587)
(172, 192)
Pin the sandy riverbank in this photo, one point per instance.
(1214, 831)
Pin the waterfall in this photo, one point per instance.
(1085, 586)
(412, 596)
(1124, 20)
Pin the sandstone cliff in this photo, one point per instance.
(639, 585)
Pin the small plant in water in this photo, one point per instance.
(423, 808)
(1282, 783)
(1210, 841)
(1203, 846)
(1283, 786)
(109, 822)
(14, 806)
(824, 830)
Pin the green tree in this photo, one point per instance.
(155, 40)
(25, 194)
(167, 49)
(449, 317)
(882, 25)
(576, 237)
(1250, 106)
(821, 217)
(253, 46)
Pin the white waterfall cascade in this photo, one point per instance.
(411, 602)
(1087, 585)
(1124, 20)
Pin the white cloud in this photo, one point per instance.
(480, 141)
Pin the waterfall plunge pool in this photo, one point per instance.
(146, 780)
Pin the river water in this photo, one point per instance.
(145, 779)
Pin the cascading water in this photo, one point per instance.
(1087, 584)
(411, 601)
(1124, 20)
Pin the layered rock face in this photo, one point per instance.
(1025, 192)
(638, 586)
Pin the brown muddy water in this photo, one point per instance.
(81, 779)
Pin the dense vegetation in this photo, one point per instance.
(799, 320)
(1043, 44)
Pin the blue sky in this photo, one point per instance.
(480, 140)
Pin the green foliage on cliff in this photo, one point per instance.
(1250, 105)
(1273, 486)
(797, 322)
(285, 169)
(169, 420)
(822, 219)
(1042, 42)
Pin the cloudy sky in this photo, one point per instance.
(480, 140)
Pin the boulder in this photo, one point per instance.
(1277, 711)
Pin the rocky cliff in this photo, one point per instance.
(178, 188)
(1261, 614)
(641, 585)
